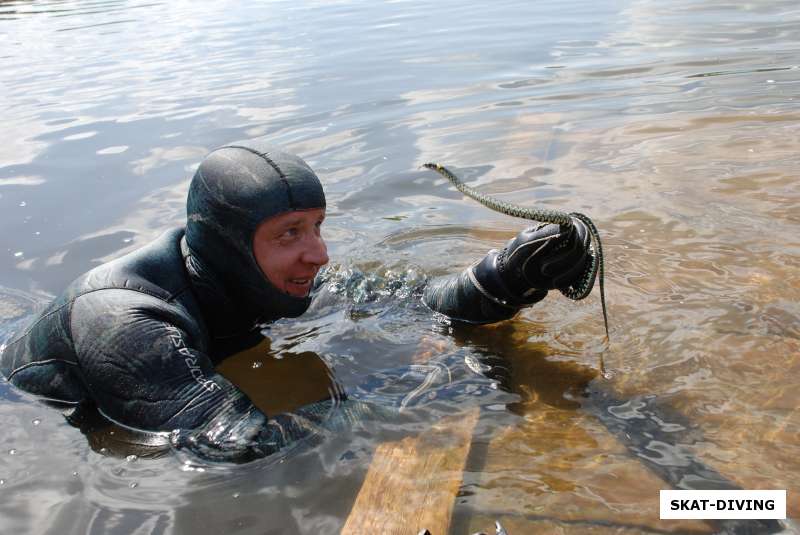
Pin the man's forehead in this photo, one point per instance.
(292, 218)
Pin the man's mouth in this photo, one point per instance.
(299, 287)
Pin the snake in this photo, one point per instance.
(575, 291)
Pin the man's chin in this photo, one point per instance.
(297, 290)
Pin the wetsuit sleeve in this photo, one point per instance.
(145, 366)
(458, 298)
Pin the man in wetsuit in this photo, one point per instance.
(139, 337)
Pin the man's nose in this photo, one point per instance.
(317, 252)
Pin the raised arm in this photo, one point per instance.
(536, 260)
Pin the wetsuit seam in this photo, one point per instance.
(177, 294)
(69, 324)
(137, 290)
(164, 434)
(69, 303)
(485, 293)
(38, 363)
(37, 322)
(274, 166)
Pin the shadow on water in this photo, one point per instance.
(652, 432)
(660, 438)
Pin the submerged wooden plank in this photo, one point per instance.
(412, 483)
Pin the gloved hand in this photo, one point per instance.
(536, 260)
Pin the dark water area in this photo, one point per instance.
(675, 126)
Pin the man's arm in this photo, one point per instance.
(536, 260)
(144, 365)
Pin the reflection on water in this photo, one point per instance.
(673, 125)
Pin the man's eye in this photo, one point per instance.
(289, 233)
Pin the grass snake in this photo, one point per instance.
(584, 286)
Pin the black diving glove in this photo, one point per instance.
(538, 259)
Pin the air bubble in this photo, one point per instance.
(36, 421)
(134, 485)
(23, 204)
(257, 364)
(131, 458)
(12, 451)
(236, 495)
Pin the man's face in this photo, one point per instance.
(289, 249)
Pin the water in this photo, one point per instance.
(673, 125)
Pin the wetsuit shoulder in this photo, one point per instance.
(43, 359)
(155, 269)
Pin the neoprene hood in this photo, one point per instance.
(235, 188)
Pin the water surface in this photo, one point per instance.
(674, 125)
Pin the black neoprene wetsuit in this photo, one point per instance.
(140, 336)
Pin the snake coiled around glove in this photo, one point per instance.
(575, 291)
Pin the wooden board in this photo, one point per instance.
(412, 483)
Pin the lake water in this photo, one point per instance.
(674, 125)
